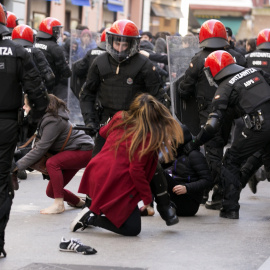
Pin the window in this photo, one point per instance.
(37, 18)
(167, 22)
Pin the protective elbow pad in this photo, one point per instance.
(213, 123)
(38, 98)
(49, 77)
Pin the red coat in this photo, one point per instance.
(115, 184)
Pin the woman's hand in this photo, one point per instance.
(144, 207)
(145, 53)
(179, 189)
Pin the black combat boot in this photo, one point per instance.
(229, 214)
(164, 206)
(167, 212)
(217, 196)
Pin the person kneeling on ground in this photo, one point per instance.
(52, 133)
(188, 177)
(119, 176)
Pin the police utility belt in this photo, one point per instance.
(254, 121)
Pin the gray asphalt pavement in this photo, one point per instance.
(205, 241)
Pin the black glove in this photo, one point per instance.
(92, 129)
(190, 146)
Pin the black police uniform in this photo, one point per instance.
(80, 69)
(249, 93)
(58, 63)
(196, 85)
(43, 66)
(259, 58)
(16, 70)
(115, 85)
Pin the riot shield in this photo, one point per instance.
(180, 51)
(78, 49)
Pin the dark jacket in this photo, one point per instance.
(116, 85)
(18, 72)
(193, 172)
(56, 58)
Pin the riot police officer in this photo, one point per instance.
(212, 36)
(80, 67)
(17, 70)
(12, 21)
(247, 91)
(115, 78)
(24, 35)
(46, 40)
(260, 58)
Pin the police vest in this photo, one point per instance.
(259, 59)
(252, 88)
(10, 75)
(118, 90)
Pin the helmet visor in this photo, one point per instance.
(121, 48)
(57, 32)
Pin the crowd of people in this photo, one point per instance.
(133, 151)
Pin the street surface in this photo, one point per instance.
(205, 241)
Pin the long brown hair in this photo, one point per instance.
(54, 104)
(147, 115)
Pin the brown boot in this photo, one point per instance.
(15, 182)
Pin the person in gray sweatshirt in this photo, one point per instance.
(53, 130)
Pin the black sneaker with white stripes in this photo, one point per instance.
(75, 245)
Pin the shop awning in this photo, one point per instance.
(115, 5)
(80, 2)
(166, 11)
(57, 1)
(232, 22)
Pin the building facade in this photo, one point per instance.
(245, 17)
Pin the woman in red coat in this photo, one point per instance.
(118, 177)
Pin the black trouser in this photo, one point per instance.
(8, 141)
(247, 144)
(185, 204)
(131, 227)
(214, 153)
(99, 142)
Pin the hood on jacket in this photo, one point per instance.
(146, 45)
(61, 112)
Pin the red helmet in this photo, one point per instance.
(263, 39)
(124, 28)
(23, 34)
(49, 27)
(124, 31)
(213, 34)
(102, 43)
(221, 64)
(3, 21)
(12, 20)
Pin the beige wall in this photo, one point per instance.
(58, 11)
(136, 7)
